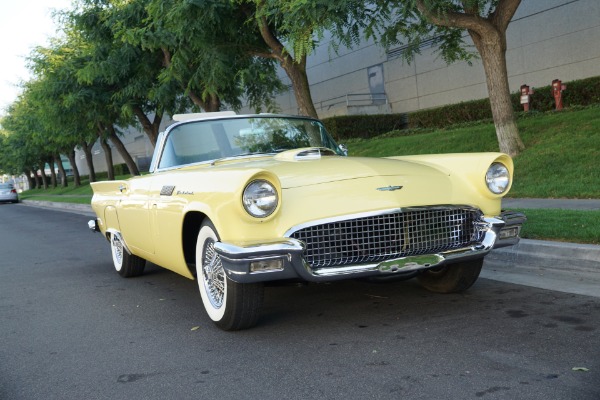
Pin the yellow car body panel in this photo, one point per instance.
(150, 211)
(152, 225)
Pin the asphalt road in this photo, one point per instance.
(71, 328)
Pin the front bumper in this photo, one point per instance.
(281, 260)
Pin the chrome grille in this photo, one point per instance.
(383, 237)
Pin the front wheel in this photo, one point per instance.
(230, 305)
(127, 265)
(452, 278)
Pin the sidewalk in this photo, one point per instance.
(563, 267)
(565, 204)
(84, 209)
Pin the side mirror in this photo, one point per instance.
(344, 149)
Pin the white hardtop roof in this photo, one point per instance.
(205, 115)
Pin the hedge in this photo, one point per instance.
(364, 126)
(578, 93)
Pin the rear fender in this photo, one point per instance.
(111, 219)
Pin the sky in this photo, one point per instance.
(24, 24)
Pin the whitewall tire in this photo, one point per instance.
(127, 265)
(230, 305)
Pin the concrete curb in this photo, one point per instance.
(563, 267)
(546, 254)
(68, 207)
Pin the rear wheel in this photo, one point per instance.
(127, 265)
(452, 278)
(230, 305)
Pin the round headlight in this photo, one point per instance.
(497, 178)
(260, 198)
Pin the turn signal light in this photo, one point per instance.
(266, 265)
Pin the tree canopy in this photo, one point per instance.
(120, 63)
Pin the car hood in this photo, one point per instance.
(299, 172)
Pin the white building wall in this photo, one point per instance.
(546, 40)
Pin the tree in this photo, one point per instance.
(288, 31)
(204, 50)
(20, 126)
(53, 91)
(91, 101)
(443, 22)
(128, 72)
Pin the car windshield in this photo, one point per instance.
(208, 140)
(6, 186)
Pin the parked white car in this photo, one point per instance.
(8, 193)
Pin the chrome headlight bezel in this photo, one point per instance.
(497, 178)
(260, 198)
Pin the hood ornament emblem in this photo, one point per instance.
(389, 188)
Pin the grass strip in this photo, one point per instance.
(575, 226)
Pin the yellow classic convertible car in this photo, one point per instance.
(238, 200)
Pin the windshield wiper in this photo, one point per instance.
(255, 153)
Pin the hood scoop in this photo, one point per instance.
(305, 154)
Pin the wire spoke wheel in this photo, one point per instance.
(230, 305)
(214, 275)
(126, 264)
(117, 251)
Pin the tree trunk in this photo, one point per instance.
(295, 69)
(53, 180)
(36, 179)
(61, 168)
(212, 104)
(493, 58)
(133, 169)
(43, 174)
(76, 177)
(150, 128)
(87, 149)
(30, 181)
(110, 168)
(489, 36)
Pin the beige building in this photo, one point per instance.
(547, 39)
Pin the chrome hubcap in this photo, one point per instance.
(214, 275)
(117, 249)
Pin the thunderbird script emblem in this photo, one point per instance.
(389, 188)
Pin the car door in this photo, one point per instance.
(134, 215)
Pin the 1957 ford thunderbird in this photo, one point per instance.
(238, 200)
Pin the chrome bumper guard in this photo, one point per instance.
(283, 259)
(93, 225)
